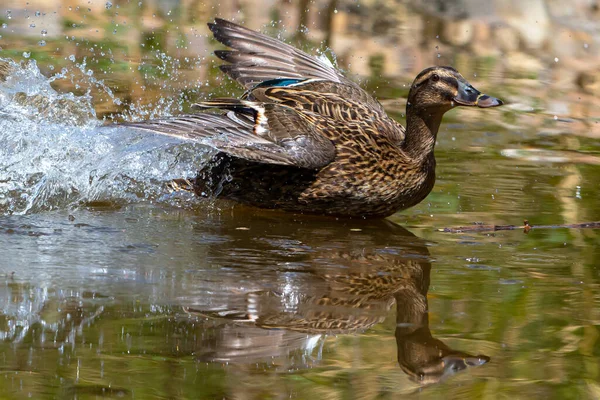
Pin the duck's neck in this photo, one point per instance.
(421, 132)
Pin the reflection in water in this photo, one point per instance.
(262, 294)
(27, 310)
(423, 357)
(334, 280)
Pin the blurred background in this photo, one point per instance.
(538, 53)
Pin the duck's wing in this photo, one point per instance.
(257, 58)
(336, 107)
(266, 133)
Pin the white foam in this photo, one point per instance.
(61, 156)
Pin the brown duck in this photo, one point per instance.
(306, 139)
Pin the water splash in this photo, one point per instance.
(55, 153)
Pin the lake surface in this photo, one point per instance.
(111, 286)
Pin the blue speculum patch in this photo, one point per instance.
(279, 82)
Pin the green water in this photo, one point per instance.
(222, 301)
(112, 288)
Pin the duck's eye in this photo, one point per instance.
(435, 77)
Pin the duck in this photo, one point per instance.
(304, 138)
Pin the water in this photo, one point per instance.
(56, 154)
(112, 286)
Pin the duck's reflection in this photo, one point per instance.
(262, 290)
(283, 286)
(423, 357)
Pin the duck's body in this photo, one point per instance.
(351, 162)
(333, 190)
(306, 139)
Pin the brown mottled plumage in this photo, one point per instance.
(306, 139)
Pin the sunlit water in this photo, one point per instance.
(115, 287)
(63, 157)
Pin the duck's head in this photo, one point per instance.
(438, 89)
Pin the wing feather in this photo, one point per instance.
(286, 138)
(277, 59)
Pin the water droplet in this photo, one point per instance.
(585, 45)
(26, 54)
(555, 59)
(437, 36)
(37, 13)
(108, 5)
(32, 25)
(9, 14)
(42, 42)
(555, 117)
(72, 57)
(44, 32)
(335, 11)
(438, 55)
(5, 25)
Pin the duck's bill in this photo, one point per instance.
(469, 96)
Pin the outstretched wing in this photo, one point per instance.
(266, 133)
(257, 58)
